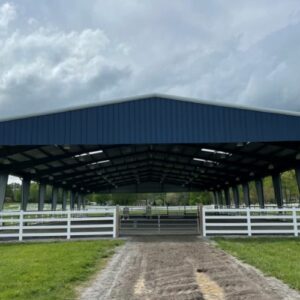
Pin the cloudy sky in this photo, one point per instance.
(61, 53)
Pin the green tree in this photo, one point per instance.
(204, 198)
(100, 199)
(34, 192)
(124, 198)
(9, 196)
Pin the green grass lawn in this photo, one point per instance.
(278, 257)
(50, 270)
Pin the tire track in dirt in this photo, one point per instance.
(165, 267)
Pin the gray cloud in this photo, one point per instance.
(49, 68)
(7, 15)
(233, 51)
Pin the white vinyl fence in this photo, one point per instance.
(250, 221)
(52, 224)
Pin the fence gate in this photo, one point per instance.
(155, 220)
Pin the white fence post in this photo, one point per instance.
(68, 224)
(118, 221)
(115, 221)
(203, 221)
(295, 222)
(158, 222)
(249, 221)
(21, 225)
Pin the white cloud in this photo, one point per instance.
(48, 67)
(7, 15)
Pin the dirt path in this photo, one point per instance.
(181, 268)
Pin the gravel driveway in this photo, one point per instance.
(186, 267)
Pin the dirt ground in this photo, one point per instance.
(183, 267)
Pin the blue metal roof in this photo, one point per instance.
(152, 120)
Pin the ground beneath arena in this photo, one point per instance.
(180, 267)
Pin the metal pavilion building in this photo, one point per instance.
(152, 143)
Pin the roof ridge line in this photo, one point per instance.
(153, 95)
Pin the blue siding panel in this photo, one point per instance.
(151, 120)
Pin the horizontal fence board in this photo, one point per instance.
(225, 224)
(272, 231)
(4, 235)
(272, 217)
(93, 219)
(93, 226)
(92, 233)
(9, 227)
(226, 217)
(9, 220)
(44, 227)
(47, 234)
(272, 224)
(45, 220)
(9, 213)
(44, 213)
(227, 231)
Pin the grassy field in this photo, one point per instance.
(278, 257)
(49, 270)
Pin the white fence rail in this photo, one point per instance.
(250, 221)
(52, 224)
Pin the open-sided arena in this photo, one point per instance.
(151, 143)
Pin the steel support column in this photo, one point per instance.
(3, 186)
(227, 197)
(220, 198)
(277, 189)
(260, 192)
(25, 193)
(83, 201)
(64, 199)
(54, 198)
(246, 194)
(215, 196)
(297, 172)
(79, 201)
(72, 200)
(42, 195)
(236, 196)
